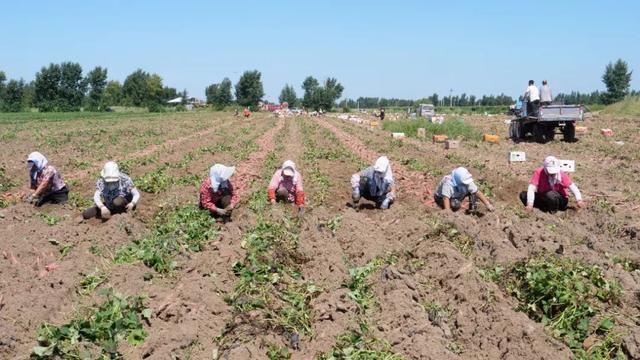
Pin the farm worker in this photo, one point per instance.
(286, 186)
(453, 188)
(381, 114)
(532, 96)
(115, 193)
(45, 181)
(545, 94)
(374, 183)
(548, 188)
(246, 112)
(216, 192)
(236, 113)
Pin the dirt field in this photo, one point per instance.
(412, 282)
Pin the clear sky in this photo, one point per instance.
(404, 49)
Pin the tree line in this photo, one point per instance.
(249, 91)
(435, 99)
(63, 87)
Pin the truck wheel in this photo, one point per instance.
(569, 132)
(515, 131)
(539, 133)
(550, 132)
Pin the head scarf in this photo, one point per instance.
(39, 163)
(461, 177)
(219, 174)
(289, 164)
(383, 166)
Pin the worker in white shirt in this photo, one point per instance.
(532, 96)
(545, 94)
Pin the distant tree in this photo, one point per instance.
(434, 99)
(3, 78)
(60, 87)
(318, 97)
(249, 89)
(219, 95)
(169, 93)
(472, 100)
(310, 86)
(134, 88)
(13, 96)
(288, 95)
(154, 100)
(617, 79)
(97, 81)
(29, 95)
(112, 94)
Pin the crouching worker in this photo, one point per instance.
(548, 188)
(216, 192)
(455, 187)
(45, 181)
(374, 183)
(115, 194)
(286, 186)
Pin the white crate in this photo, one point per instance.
(568, 165)
(517, 156)
(397, 135)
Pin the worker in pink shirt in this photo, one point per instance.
(286, 186)
(548, 188)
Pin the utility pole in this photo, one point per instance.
(450, 97)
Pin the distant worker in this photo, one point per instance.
(217, 193)
(246, 112)
(532, 97)
(545, 94)
(381, 114)
(548, 188)
(236, 113)
(45, 181)
(115, 194)
(455, 187)
(286, 186)
(374, 183)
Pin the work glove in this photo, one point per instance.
(273, 201)
(104, 212)
(130, 206)
(221, 212)
(385, 204)
(391, 196)
(28, 198)
(528, 208)
(491, 208)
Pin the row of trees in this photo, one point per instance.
(249, 91)
(454, 100)
(62, 87)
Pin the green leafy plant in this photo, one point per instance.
(50, 220)
(97, 329)
(563, 294)
(186, 228)
(360, 345)
(91, 281)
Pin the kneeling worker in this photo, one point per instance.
(216, 192)
(374, 183)
(115, 193)
(455, 187)
(548, 188)
(286, 186)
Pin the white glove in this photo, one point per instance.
(130, 206)
(391, 196)
(385, 204)
(221, 212)
(104, 212)
(491, 208)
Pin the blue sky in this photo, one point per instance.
(405, 49)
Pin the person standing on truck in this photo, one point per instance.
(532, 96)
(548, 188)
(381, 114)
(545, 94)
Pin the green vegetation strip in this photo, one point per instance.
(360, 343)
(95, 332)
(185, 229)
(570, 298)
(454, 129)
(313, 154)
